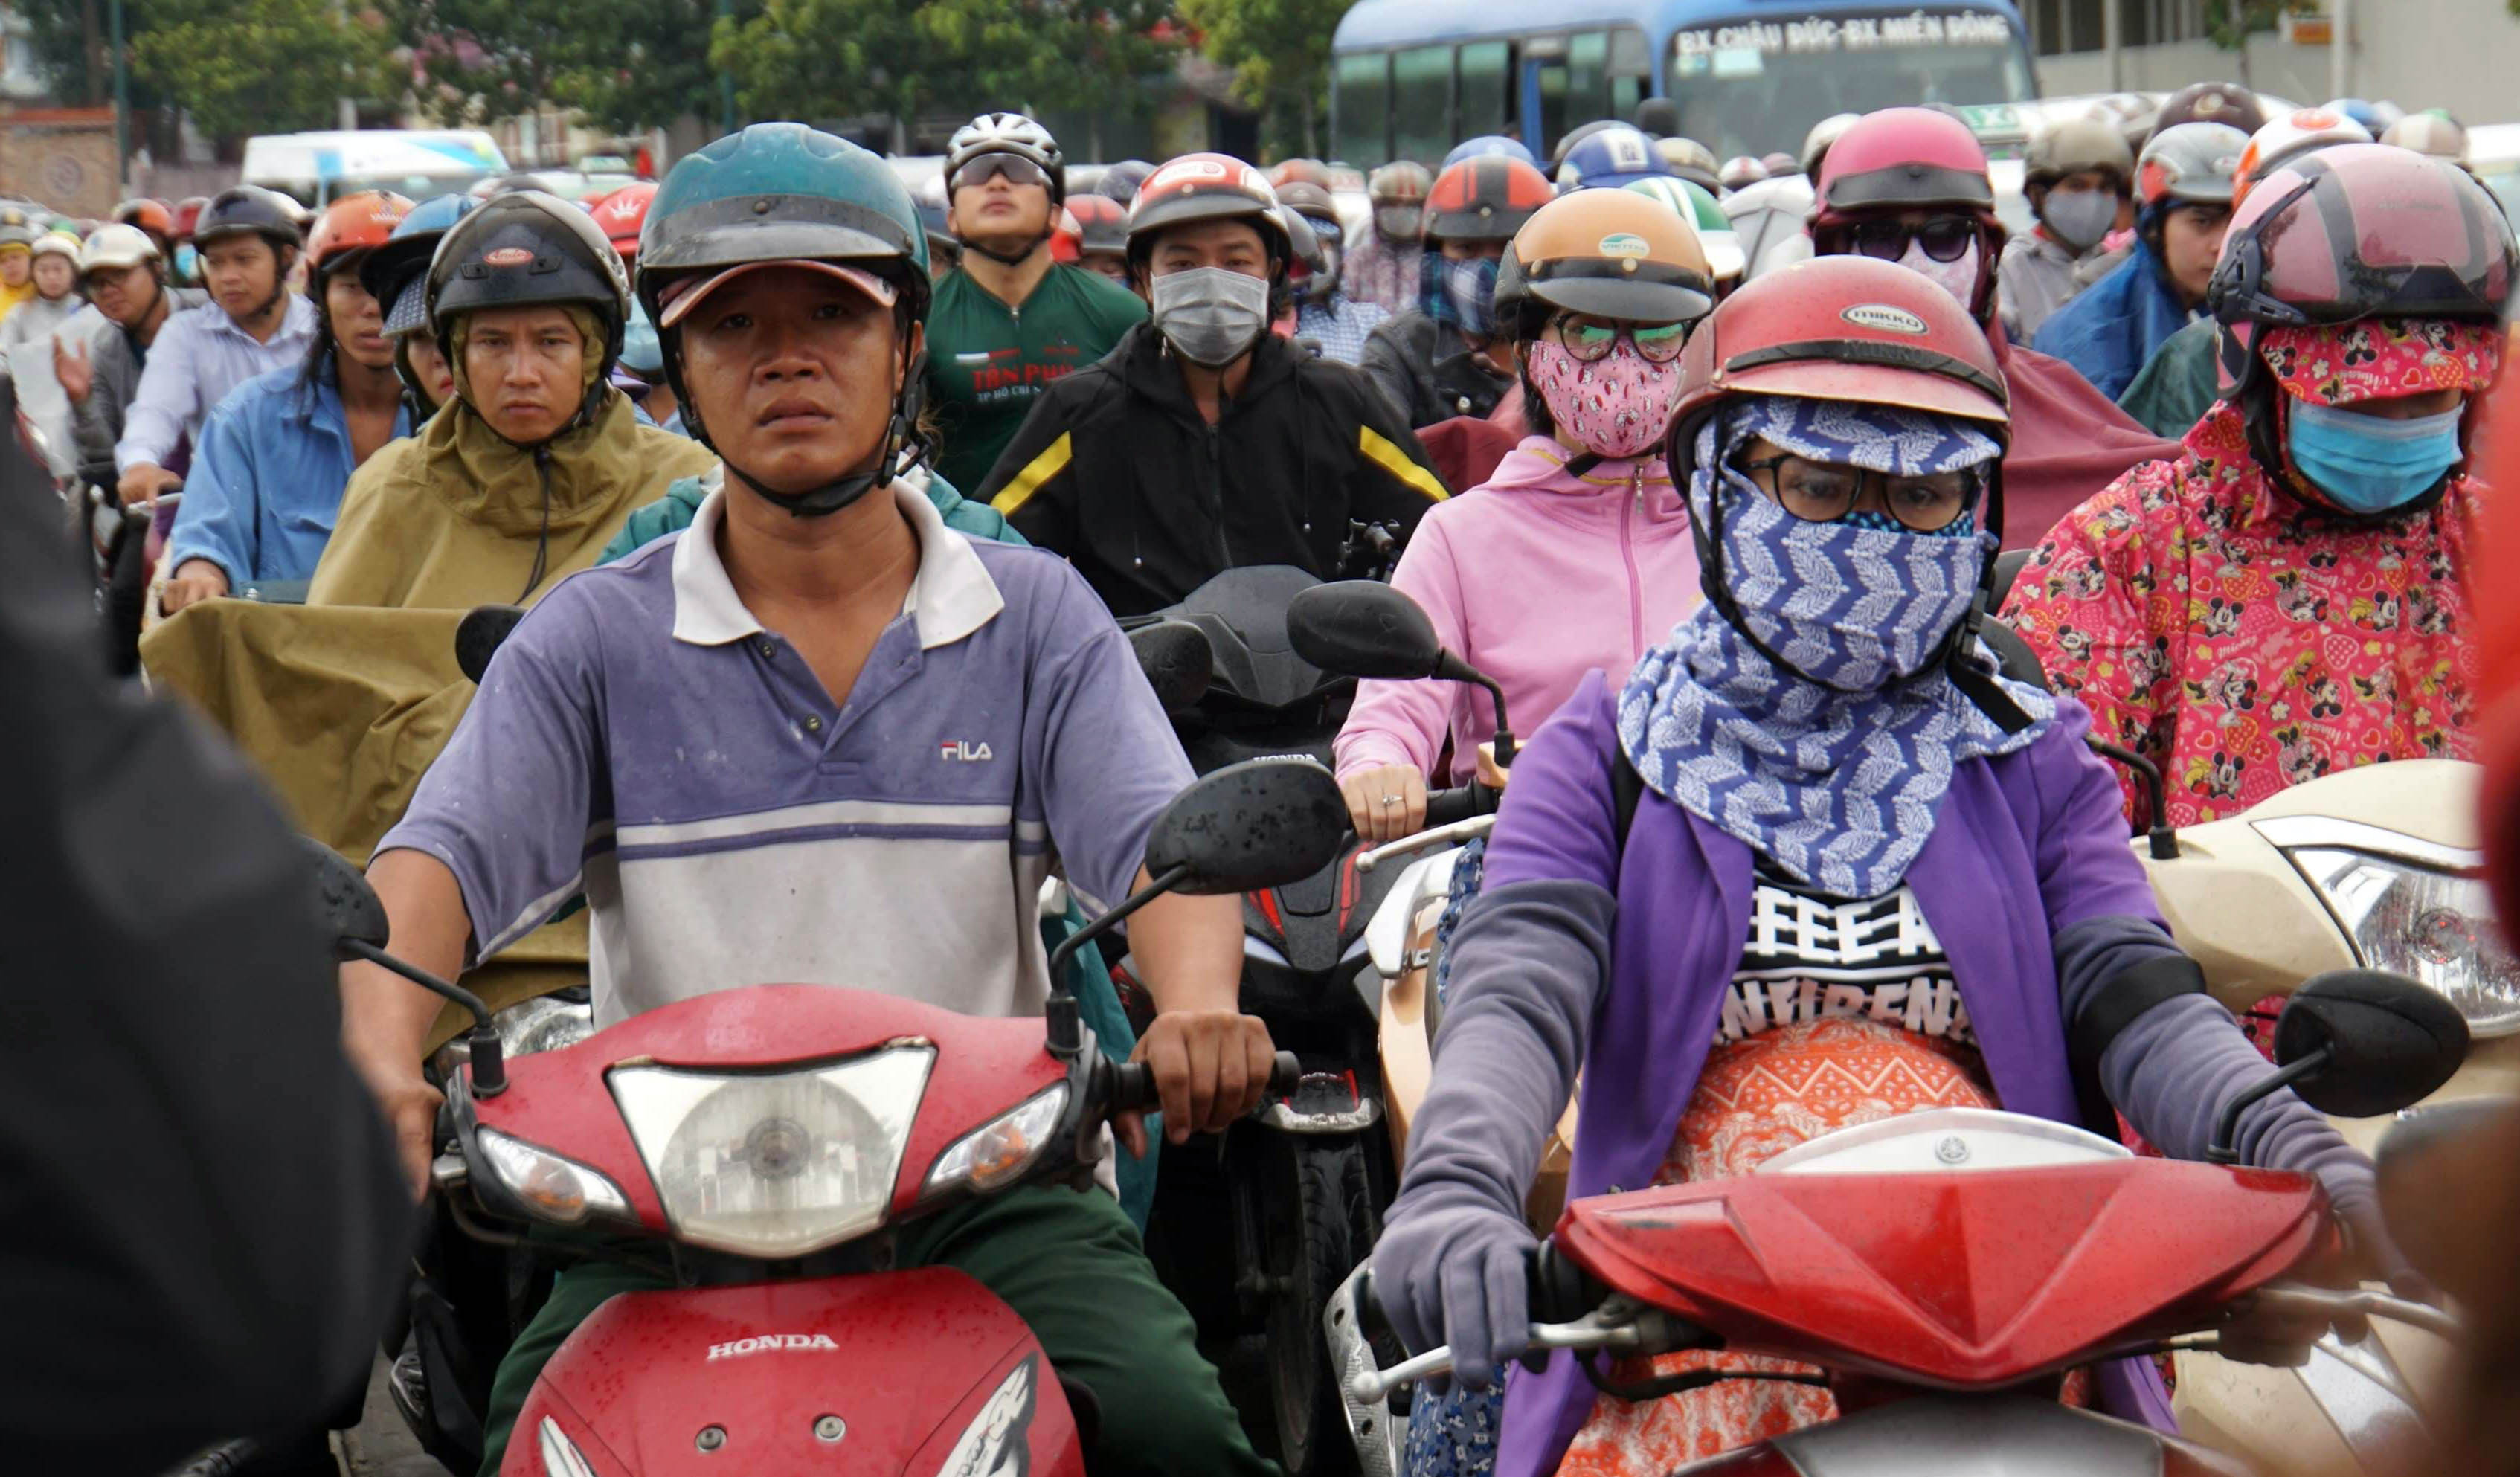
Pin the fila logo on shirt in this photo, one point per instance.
(963, 751)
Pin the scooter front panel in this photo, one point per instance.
(885, 1373)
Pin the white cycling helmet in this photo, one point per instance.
(116, 245)
(1007, 133)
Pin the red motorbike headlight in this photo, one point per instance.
(775, 1164)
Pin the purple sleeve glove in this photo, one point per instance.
(2171, 1070)
(1452, 1262)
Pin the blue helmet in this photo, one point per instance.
(2368, 115)
(1611, 159)
(642, 353)
(404, 257)
(1487, 142)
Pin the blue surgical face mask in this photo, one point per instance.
(187, 262)
(2369, 464)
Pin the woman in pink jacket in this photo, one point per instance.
(1577, 551)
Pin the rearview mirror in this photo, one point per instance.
(1360, 628)
(1263, 823)
(2389, 1042)
(478, 635)
(347, 906)
(1177, 659)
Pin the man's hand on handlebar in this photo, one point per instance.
(144, 482)
(194, 581)
(1210, 1067)
(1387, 802)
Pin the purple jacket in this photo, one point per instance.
(2025, 846)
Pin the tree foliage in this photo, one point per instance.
(237, 67)
(1279, 51)
(627, 63)
(825, 58)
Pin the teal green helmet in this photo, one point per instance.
(783, 192)
(1694, 203)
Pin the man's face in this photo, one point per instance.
(358, 323)
(527, 371)
(242, 272)
(429, 363)
(124, 294)
(793, 372)
(1233, 245)
(998, 209)
(54, 275)
(1111, 264)
(17, 263)
(2191, 241)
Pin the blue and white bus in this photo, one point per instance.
(1410, 78)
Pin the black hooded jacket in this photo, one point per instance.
(1116, 469)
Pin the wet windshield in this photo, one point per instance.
(1753, 87)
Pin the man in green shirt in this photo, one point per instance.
(1009, 320)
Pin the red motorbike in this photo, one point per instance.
(763, 1140)
(1947, 1269)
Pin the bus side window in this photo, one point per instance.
(1421, 103)
(1362, 105)
(1631, 72)
(1487, 85)
(1587, 78)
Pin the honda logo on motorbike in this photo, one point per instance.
(768, 1342)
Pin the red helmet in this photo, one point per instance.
(350, 227)
(1300, 171)
(1908, 159)
(1202, 187)
(187, 212)
(150, 215)
(2345, 233)
(1065, 237)
(1102, 223)
(1485, 197)
(622, 214)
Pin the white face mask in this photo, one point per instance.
(1210, 315)
(1957, 278)
(2080, 219)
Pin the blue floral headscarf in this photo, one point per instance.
(1832, 774)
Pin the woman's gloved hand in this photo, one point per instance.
(2370, 1250)
(1457, 1275)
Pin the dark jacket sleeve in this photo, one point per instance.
(1033, 485)
(1396, 373)
(201, 1216)
(1394, 480)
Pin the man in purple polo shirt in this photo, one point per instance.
(818, 736)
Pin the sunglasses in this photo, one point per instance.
(1014, 167)
(1945, 238)
(1824, 492)
(1590, 340)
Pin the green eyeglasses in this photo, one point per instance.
(1590, 340)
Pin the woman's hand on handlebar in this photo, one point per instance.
(1387, 802)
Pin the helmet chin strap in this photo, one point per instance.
(1002, 258)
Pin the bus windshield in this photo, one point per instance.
(1756, 86)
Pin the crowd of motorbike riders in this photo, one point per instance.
(1733, 522)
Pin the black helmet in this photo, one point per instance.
(248, 209)
(524, 249)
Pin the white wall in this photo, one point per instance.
(2462, 55)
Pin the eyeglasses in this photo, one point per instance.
(1824, 492)
(1945, 238)
(1590, 340)
(1016, 170)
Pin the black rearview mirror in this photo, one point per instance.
(2388, 1043)
(1360, 628)
(1177, 659)
(1263, 823)
(478, 635)
(347, 906)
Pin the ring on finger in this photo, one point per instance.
(1391, 799)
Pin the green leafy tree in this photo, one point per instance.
(627, 63)
(820, 59)
(1279, 51)
(237, 67)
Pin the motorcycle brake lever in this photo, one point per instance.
(1620, 1325)
(1441, 835)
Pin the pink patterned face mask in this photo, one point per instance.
(1618, 407)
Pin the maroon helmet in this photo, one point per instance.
(1908, 159)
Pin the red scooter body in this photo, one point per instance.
(785, 1367)
(1947, 1299)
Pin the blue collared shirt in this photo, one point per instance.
(268, 470)
(200, 356)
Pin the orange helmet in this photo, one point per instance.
(621, 215)
(150, 215)
(1101, 223)
(1066, 237)
(1300, 172)
(350, 227)
(1605, 253)
(1486, 196)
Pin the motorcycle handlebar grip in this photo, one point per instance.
(1447, 807)
(1561, 1291)
(1133, 1083)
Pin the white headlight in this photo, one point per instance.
(775, 1164)
(2436, 926)
(998, 1151)
(552, 1187)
